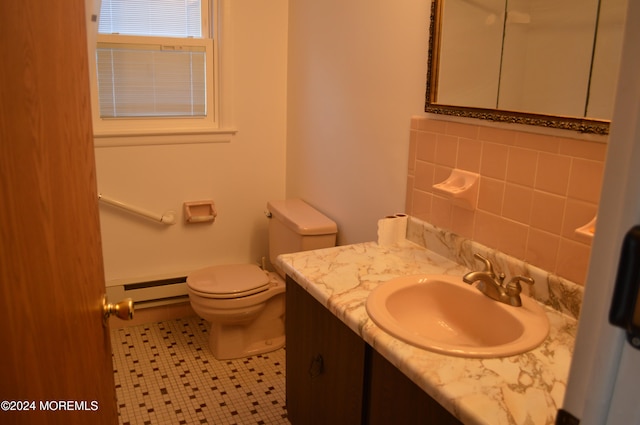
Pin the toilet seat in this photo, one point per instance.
(229, 281)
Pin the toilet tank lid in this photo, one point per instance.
(301, 217)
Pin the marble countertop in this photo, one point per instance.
(523, 389)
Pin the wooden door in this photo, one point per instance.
(55, 358)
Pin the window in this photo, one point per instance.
(154, 67)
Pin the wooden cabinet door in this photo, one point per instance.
(394, 399)
(325, 364)
(299, 352)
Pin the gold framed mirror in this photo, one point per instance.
(483, 58)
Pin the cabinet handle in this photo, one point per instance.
(317, 366)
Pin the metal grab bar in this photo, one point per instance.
(169, 217)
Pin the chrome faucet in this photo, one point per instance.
(492, 284)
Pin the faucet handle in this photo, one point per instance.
(514, 287)
(488, 268)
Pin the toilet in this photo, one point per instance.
(245, 304)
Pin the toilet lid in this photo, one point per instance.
(229, 281)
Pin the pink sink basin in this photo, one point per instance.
(441, 313)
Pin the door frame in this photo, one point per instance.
(593, 377)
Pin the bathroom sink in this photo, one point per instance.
(441, 313)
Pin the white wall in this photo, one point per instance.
(240, 176)
(356, 74)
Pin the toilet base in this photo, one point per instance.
(258, 347)
(234, 342)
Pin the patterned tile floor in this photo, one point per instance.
(165, 374)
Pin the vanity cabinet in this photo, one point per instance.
(334, 377)
(324, 364)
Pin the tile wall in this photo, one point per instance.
(534, 190)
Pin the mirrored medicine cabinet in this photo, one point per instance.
(538, 62)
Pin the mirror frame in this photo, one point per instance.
(583, 125)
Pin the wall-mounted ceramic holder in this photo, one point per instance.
(461, 187)
(200, 212)
(588, 229)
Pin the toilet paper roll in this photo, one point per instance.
(403, 220)
(388, 230)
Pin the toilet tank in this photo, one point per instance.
(296, 226)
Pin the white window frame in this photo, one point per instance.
(159, 130)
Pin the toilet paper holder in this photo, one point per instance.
(200, 211)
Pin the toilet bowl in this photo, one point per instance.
(245, 304)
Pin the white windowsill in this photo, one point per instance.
(172, 137)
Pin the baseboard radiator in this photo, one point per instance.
(150, 293)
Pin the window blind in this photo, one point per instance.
(145, 70)
(163, 18)
(148, 82)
